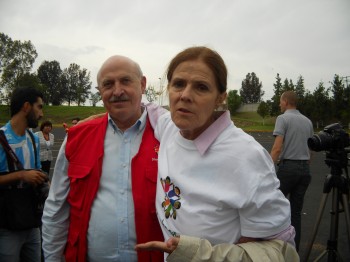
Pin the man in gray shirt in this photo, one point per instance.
(291, 153)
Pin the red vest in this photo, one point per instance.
(84, 151)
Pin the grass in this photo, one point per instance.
(249, 121)
(58, 114)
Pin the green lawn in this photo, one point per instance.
(249, 121)
(58, 114)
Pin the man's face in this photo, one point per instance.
(74, 122)
(35, 113)
(283, 104)
(121, 87)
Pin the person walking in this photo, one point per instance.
(46, 140)
(291, 154)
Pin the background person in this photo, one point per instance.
(215, 181)
(26, 109)
(46, 140)
(75, 121)
(102, 197)
(292, 155)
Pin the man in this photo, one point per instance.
(26, 109)
(102, 197)
(291, 153)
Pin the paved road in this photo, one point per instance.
(311, 206)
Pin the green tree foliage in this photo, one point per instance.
(17, 59)
(251, 90)
(321, 105)
(76, 84)
(264, 110)
(233, 101)
(31, 80)
(340, 100)
(49, 73)
(300, 91)
(151, 94)
(84, 87)
(95, 98)
(275, 100)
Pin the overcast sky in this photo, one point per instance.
(301, 37)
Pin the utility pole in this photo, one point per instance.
(347, 89)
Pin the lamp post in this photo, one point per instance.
(160, 91)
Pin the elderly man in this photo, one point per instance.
(101, 201)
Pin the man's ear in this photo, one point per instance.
(26, 107)
(143, 84)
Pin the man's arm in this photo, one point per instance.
(276, 148)
(33, 177)
(56, 211)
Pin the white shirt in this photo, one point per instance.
(220, 186)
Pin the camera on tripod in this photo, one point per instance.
(333, 137)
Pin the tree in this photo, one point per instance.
(251, 91)
(340, 100)
(84, 85)
(233, 101)
(264, 110)
(321, 105)
(5, 48)
(76, 84)
(49, 73)
(151, 94)
(299, 87)
(17, 59)
(275, 100)
(300, 91)
(31, 80)
(95, 98)
(287, 85)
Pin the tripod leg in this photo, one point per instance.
(318, 220)
(347, 216)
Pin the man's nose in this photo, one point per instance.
(118, 89)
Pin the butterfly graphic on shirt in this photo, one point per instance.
(171, 199)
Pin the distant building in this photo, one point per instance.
(248, 107)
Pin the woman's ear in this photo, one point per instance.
(221, 98)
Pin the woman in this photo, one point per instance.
(46, 139)
(215, 181)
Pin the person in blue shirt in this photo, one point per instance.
(26, 110)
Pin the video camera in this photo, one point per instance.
(332, 138)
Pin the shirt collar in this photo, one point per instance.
(204, 140)
(139, 124)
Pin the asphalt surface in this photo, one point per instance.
(314, 195)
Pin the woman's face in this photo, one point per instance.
(193, 97)
(47, 129)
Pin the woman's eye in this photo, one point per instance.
(178, 84)
(202, 87)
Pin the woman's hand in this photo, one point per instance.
(167, 247)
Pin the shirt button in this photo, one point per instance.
(125, 140)
(124, 165)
